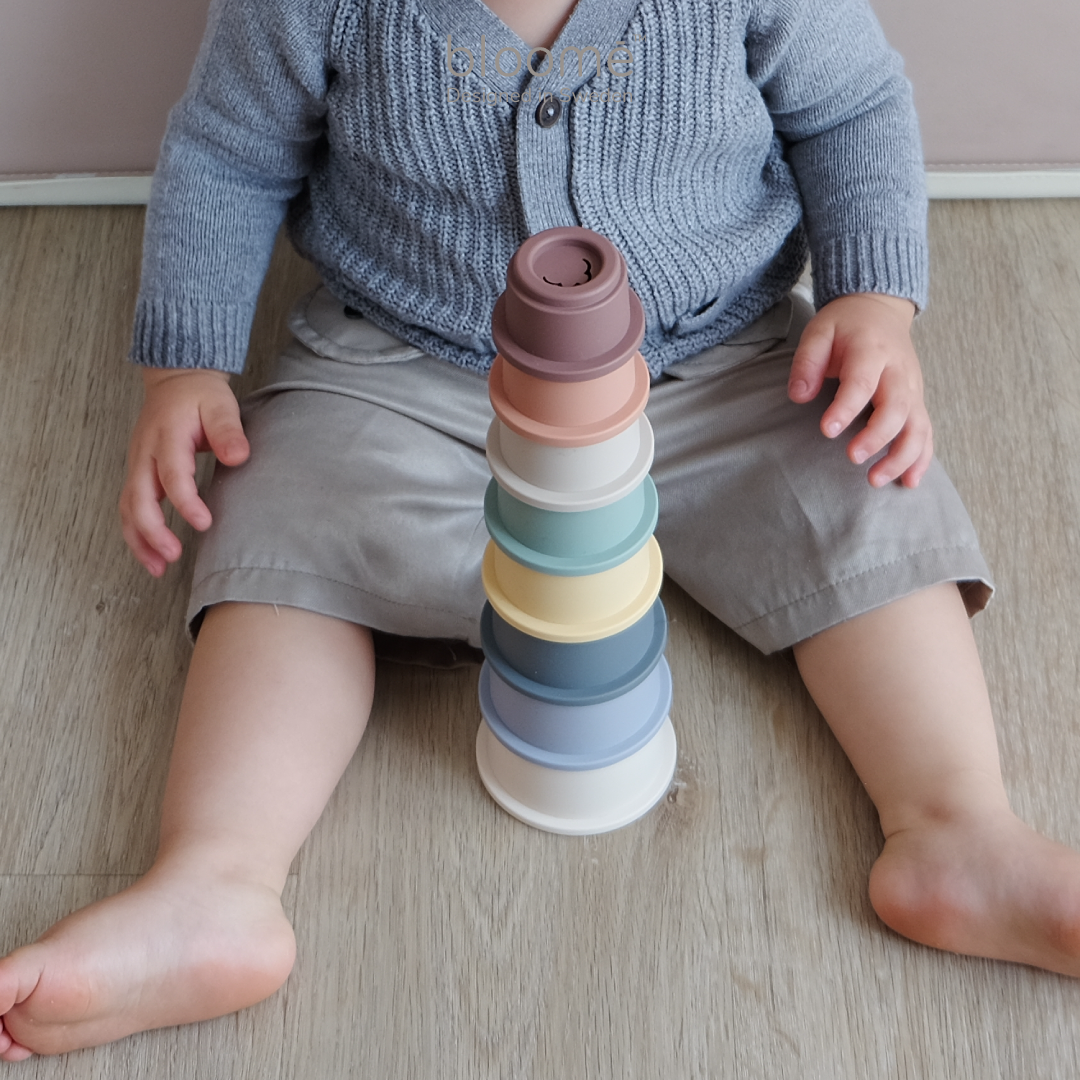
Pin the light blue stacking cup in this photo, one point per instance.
(571, 534)
(575, 737)
(571, 542)
(574, 672)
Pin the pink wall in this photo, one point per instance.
(85, 84)
(997, 82)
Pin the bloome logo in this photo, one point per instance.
(573, 63)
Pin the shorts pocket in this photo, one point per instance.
(331, 329)
(762, 335)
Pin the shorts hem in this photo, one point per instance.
(869, 589)
(325, 596)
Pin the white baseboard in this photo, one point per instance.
(92, 190)
(81, 190)
(1024, 184)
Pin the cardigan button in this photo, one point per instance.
(548, 111)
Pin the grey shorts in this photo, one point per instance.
(363, 495)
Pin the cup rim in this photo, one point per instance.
(555, 695)
(570, 565)
(551, 499)
(633, 610)
(551, 759)
(561, 370)
(584, 434)
(665, 757)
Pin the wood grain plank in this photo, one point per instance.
(727, 935)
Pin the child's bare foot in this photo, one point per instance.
(173, 948)
(986, 886)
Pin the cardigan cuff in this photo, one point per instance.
(893, 263)
(203, 334)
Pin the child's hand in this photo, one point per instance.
(184, 412)
(864, 340)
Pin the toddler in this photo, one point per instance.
(413, 145)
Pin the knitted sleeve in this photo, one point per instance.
(841, 104)
(237, 148)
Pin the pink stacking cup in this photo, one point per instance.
(569, 411)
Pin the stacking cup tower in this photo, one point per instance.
(575, 692)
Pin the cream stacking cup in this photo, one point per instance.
(575, 693)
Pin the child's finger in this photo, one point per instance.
(152, 559)
(143, 524)
(920, 468)
(891, 414)
(810, 363)
(885, 423)
(224, 433)
(176, 473)
(911, 476)
(905, 453)
(855, 392)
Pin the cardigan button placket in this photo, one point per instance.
(543, 129)
(542, 134)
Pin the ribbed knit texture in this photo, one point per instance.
(742, 134)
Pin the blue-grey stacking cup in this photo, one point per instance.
(575, 737)
(574, 672)
(606, 532)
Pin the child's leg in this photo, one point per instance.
(275, 704)
(902, 689)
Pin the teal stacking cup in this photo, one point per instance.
(604, 536)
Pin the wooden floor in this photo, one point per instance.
(728, 934)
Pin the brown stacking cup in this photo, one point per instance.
(568, 313)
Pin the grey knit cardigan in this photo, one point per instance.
(412, 145)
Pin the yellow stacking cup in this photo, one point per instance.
(582, 607)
